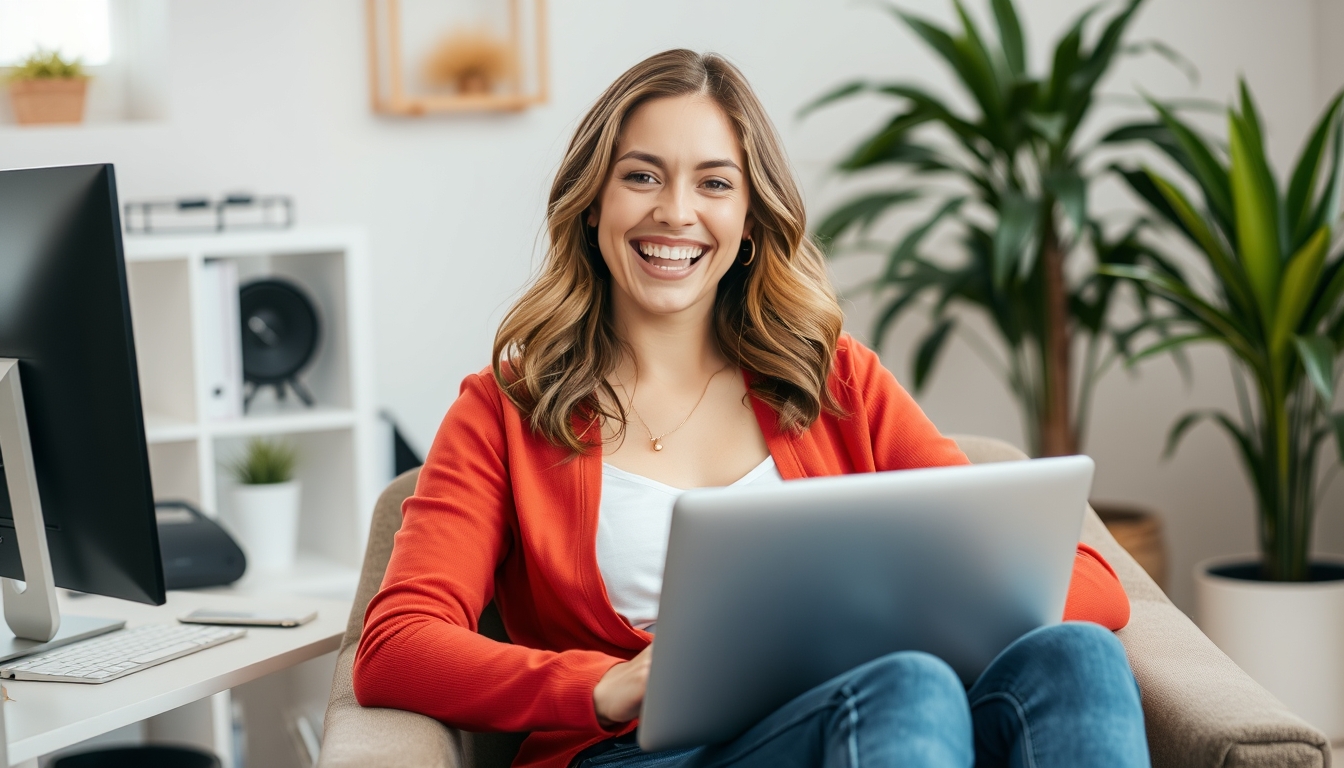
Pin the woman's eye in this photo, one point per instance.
(718, 185)
(640, 177)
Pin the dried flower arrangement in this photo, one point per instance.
(473, 61)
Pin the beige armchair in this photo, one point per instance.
(1201, 709)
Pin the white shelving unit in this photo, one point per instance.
(343, 461)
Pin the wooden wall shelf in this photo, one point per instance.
(389, 93)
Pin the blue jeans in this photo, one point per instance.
(1058, 696)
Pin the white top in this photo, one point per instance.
(633, 519)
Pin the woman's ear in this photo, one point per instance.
(748, 226)
(591, 218)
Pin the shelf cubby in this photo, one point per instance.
(341, 462)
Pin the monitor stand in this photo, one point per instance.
(35, 623)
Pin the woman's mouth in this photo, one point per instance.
(669, 259)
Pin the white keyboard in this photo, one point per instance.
(117, 654)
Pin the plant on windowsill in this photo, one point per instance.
(1272, 295)
(265, 514)
(46, 89)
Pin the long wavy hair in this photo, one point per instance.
(776, 317)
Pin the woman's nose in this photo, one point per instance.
(674, 207)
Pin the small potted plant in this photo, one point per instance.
(47, 89)
(1271, 293)
(266, 504)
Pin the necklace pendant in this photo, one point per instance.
(657, 444)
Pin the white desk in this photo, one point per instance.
(44, 717)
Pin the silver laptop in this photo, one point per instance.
(771, 591)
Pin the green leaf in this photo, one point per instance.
(1171, 55)
(1229, 271)
(1017, 224)
(861, 212)
(1157, 134)
(1178, 430)
(1107, 46)
(1068, 54)
(1327, 208)
(1207, 171)
(892, 137)
(1071, 192)
(1250, 116)
(1051, 125)
(906, 249)
(1318, 358)
(1307, 171)
(1299, 284)
(1256, 215)
(1228, 327)
(836, 94)
(1010, 36)
(1168, 344)
(975, 74)
(927, 353)
(1324, 303)
(965, 131)
(893, 311)
(883, 150)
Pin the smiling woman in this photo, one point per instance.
(651, 214)
(681, 298)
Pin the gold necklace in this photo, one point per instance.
(658, 441)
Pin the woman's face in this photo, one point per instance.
(673, 213)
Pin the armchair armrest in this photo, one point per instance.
(373, 737)
(1200, 708)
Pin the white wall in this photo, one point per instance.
(271, 95)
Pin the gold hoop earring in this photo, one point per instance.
(750, 258)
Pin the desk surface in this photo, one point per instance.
(44, 717)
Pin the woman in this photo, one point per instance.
(683, 334)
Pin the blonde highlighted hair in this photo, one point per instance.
(776, 317)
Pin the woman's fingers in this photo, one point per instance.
(618, 696)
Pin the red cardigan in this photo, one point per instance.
(501, 514)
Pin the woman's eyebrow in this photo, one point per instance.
(657, 161)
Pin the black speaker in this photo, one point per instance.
(280, 335)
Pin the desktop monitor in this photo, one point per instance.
(65, 316)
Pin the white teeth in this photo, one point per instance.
(678, 253)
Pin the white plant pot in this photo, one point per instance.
(265, 519)
(1288, 636)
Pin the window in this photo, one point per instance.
(123, 45)
(78, 29)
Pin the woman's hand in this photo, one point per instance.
(618, 696)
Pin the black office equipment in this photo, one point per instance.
(280, 334)
(65, 317)
(197, 552)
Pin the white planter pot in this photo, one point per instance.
(265, 518)
(1288, 636)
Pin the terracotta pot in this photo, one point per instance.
(48, 101)
(1139, 531)
(1286, 635)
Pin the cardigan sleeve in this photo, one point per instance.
(904, 438)
(420, 650)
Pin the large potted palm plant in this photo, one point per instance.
(1269, 292)
(1018, 176)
